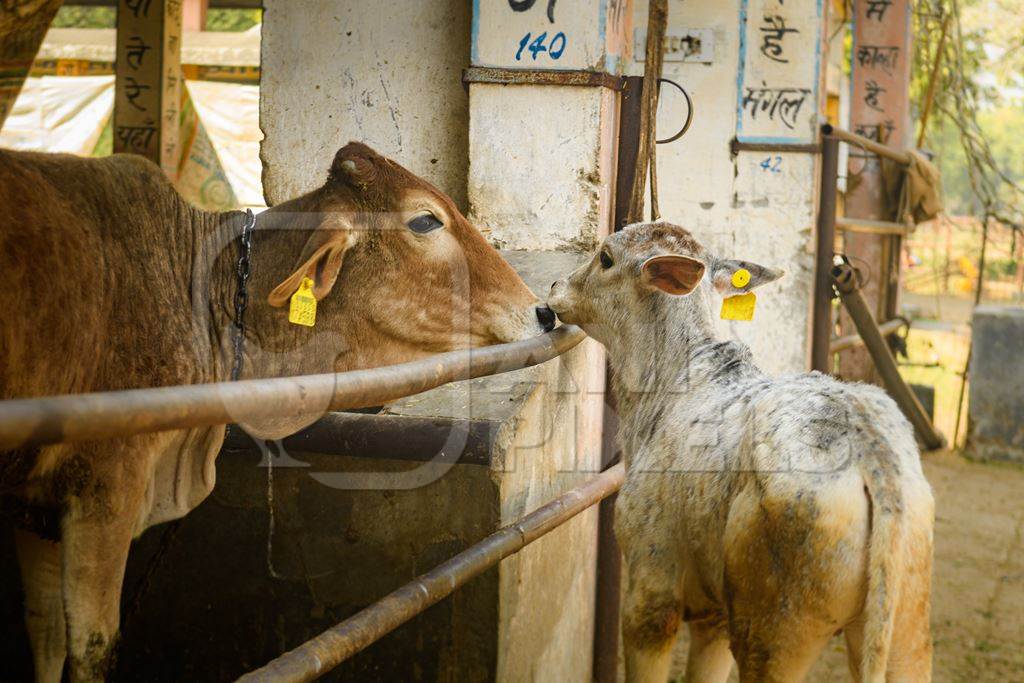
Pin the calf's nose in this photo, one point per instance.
(546, 318)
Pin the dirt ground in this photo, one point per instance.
(978, 584)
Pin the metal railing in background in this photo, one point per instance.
(823, 344)
(830, 278)
(33, 422)
(105, 415)
(846, 283)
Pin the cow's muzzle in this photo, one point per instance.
(546, 317)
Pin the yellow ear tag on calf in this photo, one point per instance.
(739, 307)
(741, 278)
(302, 309)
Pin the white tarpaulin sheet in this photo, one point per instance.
(68, 114)
(230, 113)
(59, 114)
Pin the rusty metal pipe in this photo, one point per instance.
(867, 227)
(821, 331)
(850, 341)
(321, 654)
(857, 307)
(85, 417)
(867, 144)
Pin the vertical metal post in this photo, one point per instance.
(821, 332)
(609, 559)
(609, 556)
(629, 147)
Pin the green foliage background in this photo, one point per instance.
(106, 17)
(980, 97)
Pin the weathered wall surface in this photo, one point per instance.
(758, 206)
(537, 179)
(387, 75)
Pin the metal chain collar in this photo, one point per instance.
(242, 292)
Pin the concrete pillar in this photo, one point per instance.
(879, 110)
(148, 86)
(22, 27)
(542, 180)
(338, 71)
(753, 69)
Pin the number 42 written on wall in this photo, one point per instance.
(772, 164)
(555, 47)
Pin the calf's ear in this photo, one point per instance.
(672, 274)
(732, 277)
(321, 261)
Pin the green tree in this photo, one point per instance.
(232, 19)
(975, 119)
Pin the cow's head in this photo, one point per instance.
(397, 270)
(650, 276)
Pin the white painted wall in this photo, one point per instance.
(387, 74)
(734, 206)
(538, 179)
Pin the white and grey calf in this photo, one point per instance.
(769, 513)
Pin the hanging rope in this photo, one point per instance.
(657, 23)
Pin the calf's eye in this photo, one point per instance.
(428, 222)
(606, 260)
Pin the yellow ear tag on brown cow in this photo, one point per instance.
(302, 309)
(739, 307)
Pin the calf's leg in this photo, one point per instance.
(652, 612)
(710, 660)
(40, 563)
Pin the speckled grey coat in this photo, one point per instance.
(767, 512)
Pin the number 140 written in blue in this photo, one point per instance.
(555, 47)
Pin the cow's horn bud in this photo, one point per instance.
(349, 167)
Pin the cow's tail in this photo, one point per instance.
(886, 562)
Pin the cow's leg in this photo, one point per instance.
(854, 634)
(783, 653)
(95, 554)
(40, 562)
(710, 660)
(652, 612)
(104, 492)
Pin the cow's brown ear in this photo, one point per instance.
(321, 261)
(672, 274)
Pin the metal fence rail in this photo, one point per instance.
(84, 417)
(321, 654)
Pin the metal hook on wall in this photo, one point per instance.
(689, 111)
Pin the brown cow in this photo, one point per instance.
(110, 280)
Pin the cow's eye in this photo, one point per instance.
(606, 260)
(424, 224)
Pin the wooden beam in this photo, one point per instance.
(22, 27)
(148, 89)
